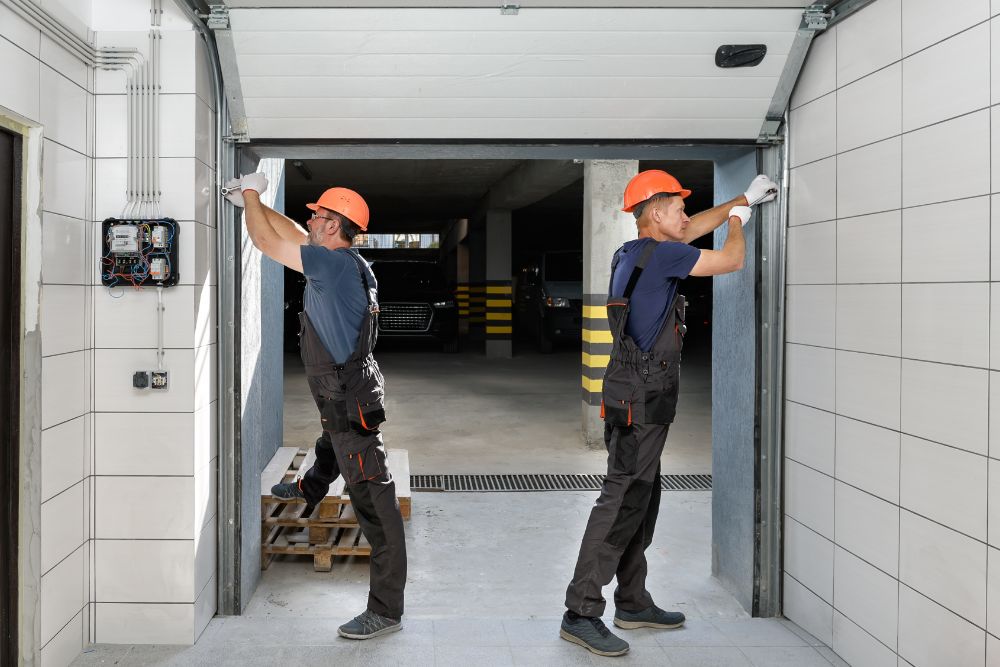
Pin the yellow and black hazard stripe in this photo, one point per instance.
(462, 300)
(596, 346)
(477, 307)
(499, 324)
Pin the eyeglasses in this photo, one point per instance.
(317, 216)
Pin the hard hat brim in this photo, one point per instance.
(684, 193)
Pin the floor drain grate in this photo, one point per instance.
(485, 483)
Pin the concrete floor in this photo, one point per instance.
(488, 572)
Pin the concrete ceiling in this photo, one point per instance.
(426, 195)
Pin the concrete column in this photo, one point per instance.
(605, 229)
(498, 282)
(477, 278)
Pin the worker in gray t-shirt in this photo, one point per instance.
(339, 328)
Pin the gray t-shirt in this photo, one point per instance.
(335, 298)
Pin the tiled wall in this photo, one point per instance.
(127, 483)
(891, 482)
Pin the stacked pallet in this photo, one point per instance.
(332, 527)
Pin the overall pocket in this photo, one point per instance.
(661, 396)
(366, 465)
(366, 400)
(618, 404)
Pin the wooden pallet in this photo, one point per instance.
(332, 528)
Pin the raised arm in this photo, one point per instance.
(730, 257)
(762, 189)
(262, 234)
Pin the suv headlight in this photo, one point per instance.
(443, 304)
(557, 302)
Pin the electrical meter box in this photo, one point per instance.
(139, 253)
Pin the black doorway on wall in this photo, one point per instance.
(10, 385)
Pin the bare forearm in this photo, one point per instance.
(258, 227)
(284, 226)
(735, 246)
(708, 221)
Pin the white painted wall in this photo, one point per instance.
(892, 477)
(127, 479)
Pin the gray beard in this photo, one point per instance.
(313, 241)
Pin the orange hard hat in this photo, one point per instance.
(346, 202)
(651, 182)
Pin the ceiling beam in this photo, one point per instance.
(530, 182)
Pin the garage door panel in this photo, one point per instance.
(562, 65)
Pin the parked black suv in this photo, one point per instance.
(415, 302)
(548, 298)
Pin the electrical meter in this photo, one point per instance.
(139, 253)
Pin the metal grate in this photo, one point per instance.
(483, 483)
(404, 317)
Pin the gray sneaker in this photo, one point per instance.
(592, 634)
(369, 625)
(653, 617)
(288, 490)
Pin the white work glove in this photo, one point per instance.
(762, 189)
(234, 194)
(255, 181)
(741, 212)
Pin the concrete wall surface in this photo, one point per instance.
(124, 483)
(891, 477)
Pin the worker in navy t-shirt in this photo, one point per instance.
(639, 397)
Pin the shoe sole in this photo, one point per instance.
(576, 640)
(633, 625)
(379, 633)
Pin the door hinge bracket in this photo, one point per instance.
(509, 9)
(218, 19)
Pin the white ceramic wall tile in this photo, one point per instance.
(179, 49)
(809, 558)
(992, 651)
(203, 74)
(164, 450)
(868, 110)
(948, 404)
(816, 139)
(113, 372)
(961, 255)
(64, 449)
(205, 375)
(993, 504)
(867, 526)
(810, 314)
(110, 191)
(994, 59)
(956, 70)
(66, 645)
(111, 133)
(868, 458)
(145, 623)
(205, 565)
(64, 181)
(66, 259)
(65, 387)
(993, 592)
(62, 526)
(204, 315)
(21, 90)
(960, 153)
(995, 237)
(809, 376)
(178, 135)
(994, 325)
(944, 484)
(995, 415)
(868, 42)
(857, 647)
(62, 594)
(812, 190)
(130, 321)
(868, 388)
(809, 498)
(925, 24)
(868, 318)
(63, 318)
(819, 72)
(64, 110)
(805, 609)
(947, 322)
(204, 608)
(197, 254)
(20, 32)
(206, 446)
(869, 178)
(865, 595)
(809, 436)
(186, 187)
(869, 248)
(159, 508)
(929, 634)
(61, 60)
(946, 566)
(812, 253)
(167, 574)
(205, 494)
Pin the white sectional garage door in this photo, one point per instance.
(555, 73)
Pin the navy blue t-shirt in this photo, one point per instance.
(335, 298)
(657, 286)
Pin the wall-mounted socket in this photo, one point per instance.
(159, 380)
(149, 380)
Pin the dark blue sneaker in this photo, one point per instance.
(369, 625)
(653, 617)
(288, 490)
(591, 634)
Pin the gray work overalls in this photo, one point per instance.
(350, 398)
(639, 401)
